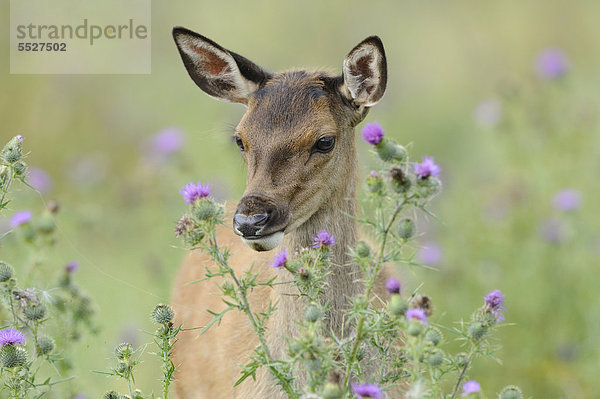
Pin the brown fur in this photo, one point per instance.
(287, 113)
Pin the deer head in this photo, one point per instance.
(297, 135)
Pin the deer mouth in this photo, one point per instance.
(264, 243)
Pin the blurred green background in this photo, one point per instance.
(463, 87)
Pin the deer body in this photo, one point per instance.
(297, 138)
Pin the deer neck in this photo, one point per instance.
(336, 217)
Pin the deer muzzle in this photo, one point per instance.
(260, 222)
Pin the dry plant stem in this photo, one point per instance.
(462, 373)
(369, 288)
(218, 256)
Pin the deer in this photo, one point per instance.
(297, 138)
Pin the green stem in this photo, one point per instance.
(462, 372)
(246, 308)
(369, 288)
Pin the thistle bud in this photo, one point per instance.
(433, 335)
(20, 168)
(111, 395)
(434, 358)
(374, 182)
(390, 151)
(123, 351)
(121, 367)
(13, 356)
(415, 328)
(162, 314)
(429, 187)
(34, 312)
(45, 345)
(398, 306)
(303, 273)
(12, 151)
(362, 249)
(205, 209)
(6, 271)
(331, 391)
(406, 228)
(46, 223)
(312, 313)
(477, 330)
(400, 181)
(511, 392)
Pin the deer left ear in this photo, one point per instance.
(365, 73)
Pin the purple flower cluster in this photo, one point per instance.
(566, 200)
(11, 336)
(20, 217)
(427, 168)
(470, 387)
(323, 239)
(552, 64)
(373, 133)
(494, 303)
(192, 192)
(393, 286)
(280, 259)
(417, 314)
(367, 391)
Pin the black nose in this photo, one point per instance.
(249, 225)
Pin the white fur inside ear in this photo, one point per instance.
(362, 75)
(214, 63)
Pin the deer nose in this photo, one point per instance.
(248, 226)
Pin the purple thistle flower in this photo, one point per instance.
(470, 387)
(167, 141)
(488, 112)
(373, 133)
(20, 217)
(71, 267)
(427, 168)
(566, 200)
(280, 259)
(40, 180)
(323, 239)
(393, 286)
(10, 336)
(494, 303)
(551, 64)
(20, 138)
(367, 391)
(373, 174)
(192, 192)
(417, 314)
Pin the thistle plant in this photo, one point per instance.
(393, 344)
(163, 339)
(39, 326)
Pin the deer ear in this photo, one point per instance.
(365, 73)
(220, 73)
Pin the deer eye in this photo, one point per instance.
(239, 142)
(324, 144)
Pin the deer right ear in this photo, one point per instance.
(365, 73)
(220, 73)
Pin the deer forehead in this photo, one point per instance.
(296, 107)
